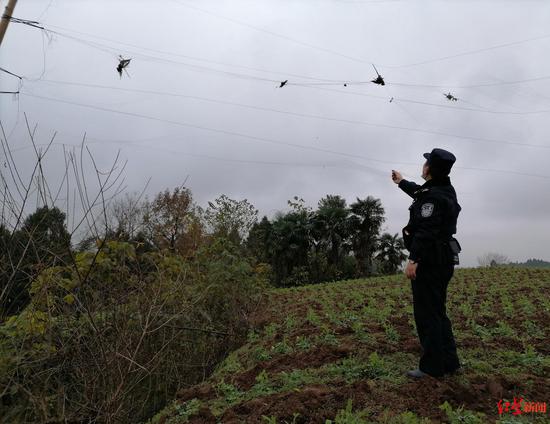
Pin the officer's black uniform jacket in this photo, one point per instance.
(433, 216)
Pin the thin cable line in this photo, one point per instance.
(115, 52)
(200, 68)
(45, 10)
(262, 139)
(319, 81)
(199, 59)
(485, 84)
(469, 52)
(454, 107)
(272, 33)
(353, 58)
(27, 22)
(306, 115)
(11, 73)
(209, 157)
(200, 127)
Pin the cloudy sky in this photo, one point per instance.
(202, 102)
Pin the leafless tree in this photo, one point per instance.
(492, 259)
(25, 190)
(108, 335)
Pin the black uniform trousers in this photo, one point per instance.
(434, 329)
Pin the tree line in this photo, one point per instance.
(335, 241)
(299, 246)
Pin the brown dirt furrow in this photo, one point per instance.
(204, 416)
(312, 358)
(480, 394)
(314, 404)
(203, 391)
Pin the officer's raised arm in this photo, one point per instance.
(409, 187)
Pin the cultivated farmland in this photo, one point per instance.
(339, 351)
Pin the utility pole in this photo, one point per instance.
(8, 12)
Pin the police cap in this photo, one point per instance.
(440, 159)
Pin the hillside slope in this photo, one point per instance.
(339, 351)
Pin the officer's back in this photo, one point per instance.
(433, 253)
(433, 215)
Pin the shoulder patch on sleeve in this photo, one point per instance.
(426, 210)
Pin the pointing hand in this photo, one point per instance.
(396, 176)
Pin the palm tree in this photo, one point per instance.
(390, 253)
(259, 239)
(289, 244)
(365, 224)
(331, 227)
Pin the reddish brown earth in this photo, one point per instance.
(317, 403)
(314, 403)
(315, 357)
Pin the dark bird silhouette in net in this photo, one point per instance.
(122, 65)
(450, 97)
(379, 80)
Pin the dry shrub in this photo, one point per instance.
(113, 336)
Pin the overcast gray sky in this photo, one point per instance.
(216, 54)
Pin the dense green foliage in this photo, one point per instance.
(113, 338)
(532, 263)
(331, 243)
(40, 242)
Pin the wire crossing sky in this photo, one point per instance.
(271, 99)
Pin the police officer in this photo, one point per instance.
(433, 254)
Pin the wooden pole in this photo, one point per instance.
(8, 12)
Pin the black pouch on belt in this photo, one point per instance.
(455, 249)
